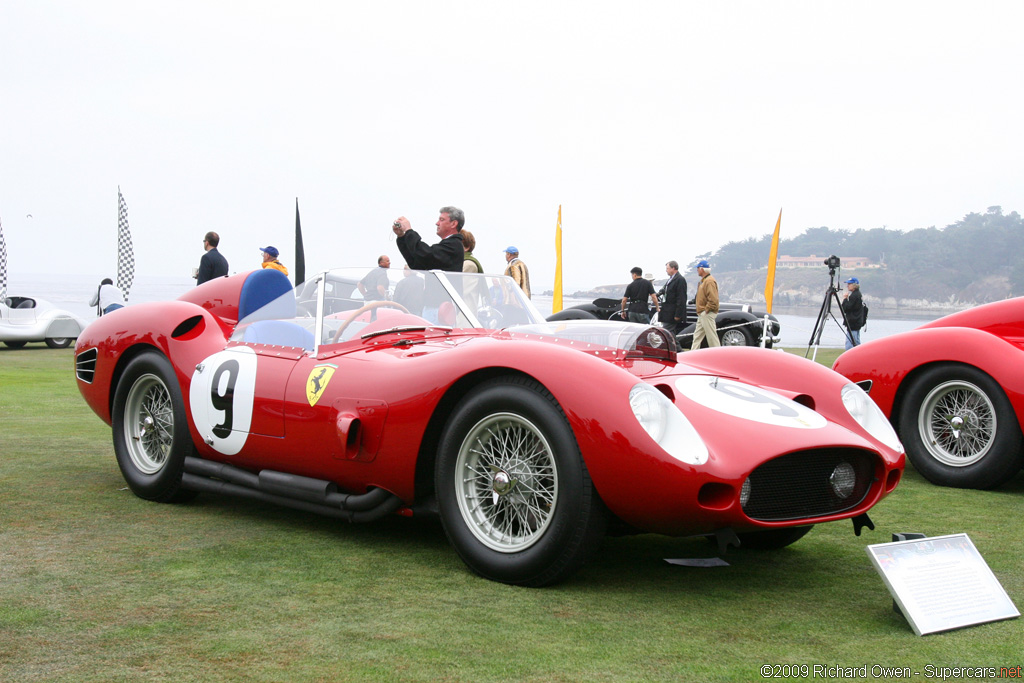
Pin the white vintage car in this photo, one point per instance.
(24, 319)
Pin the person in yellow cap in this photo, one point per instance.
(270, 255)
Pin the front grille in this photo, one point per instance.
(799, 485)
(85, 365)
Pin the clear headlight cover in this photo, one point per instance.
(666, 425)
(869, 416)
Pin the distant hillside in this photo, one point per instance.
(973, 261)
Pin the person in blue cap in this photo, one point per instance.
(270, 255)
(518, 270)
(707, 308)
(853, 310)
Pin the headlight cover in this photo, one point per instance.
(869, 416)
(667, 425)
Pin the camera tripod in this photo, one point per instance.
(831, 294)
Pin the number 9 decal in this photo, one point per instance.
(221, 398)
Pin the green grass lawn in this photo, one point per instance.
(98, 585)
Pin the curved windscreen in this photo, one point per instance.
(350, 303)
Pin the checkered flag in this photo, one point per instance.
(3, 264)
(125, 252)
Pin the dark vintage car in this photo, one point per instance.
(738, 324)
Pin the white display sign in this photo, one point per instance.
(941, 583)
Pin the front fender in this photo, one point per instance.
(183, 332)
(889, 363)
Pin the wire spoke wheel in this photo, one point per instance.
(735, 337)
(506, 482)
(958, 423)
(959, 428)
(513, 492)
(149, 424)
(150, 430)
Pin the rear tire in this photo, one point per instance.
(151, 437)
(515, 497)
(959, 428)
(736, 336)
(58, 342)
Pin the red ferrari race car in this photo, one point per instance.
(954, 389)
(452, 396)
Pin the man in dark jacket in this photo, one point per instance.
(853, 309)
(673, 308)
(213, 264)
(446, 255)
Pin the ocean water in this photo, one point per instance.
(72, 293)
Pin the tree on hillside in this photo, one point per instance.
(939, 264)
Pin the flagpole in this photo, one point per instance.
(556, 300)
(769, 284)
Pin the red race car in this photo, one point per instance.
(954, 389)
(448, 394)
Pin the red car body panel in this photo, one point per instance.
(989, 337)
(377, 420)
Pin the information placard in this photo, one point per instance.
(941, 583)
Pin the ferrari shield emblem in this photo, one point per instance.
(319, 376)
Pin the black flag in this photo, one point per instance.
(300, 254)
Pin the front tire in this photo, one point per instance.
(58, 342)
(151, 437)
(959, 428)
(515, 497)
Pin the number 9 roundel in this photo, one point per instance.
(221, 398)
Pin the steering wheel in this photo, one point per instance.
(490, 317)
(366, 307)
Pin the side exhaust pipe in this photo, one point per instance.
(288, 490)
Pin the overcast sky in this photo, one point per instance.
(663, 129)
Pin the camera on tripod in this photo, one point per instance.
(831, 295)
(833, 263)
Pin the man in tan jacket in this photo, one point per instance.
(707, 308)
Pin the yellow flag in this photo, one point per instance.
(556, 301)
(773, 256)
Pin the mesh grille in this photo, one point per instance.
(85, 365)
(798, 485)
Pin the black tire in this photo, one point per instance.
(151, 437)
(773, 539)
(15, 344)
(58, 342)
(736, 336)
(959, 428)
(514, 494)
